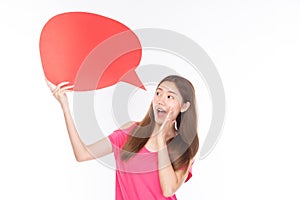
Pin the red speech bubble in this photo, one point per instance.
(103, 50)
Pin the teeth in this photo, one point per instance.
(160, 110)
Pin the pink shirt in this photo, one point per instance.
(138, 177)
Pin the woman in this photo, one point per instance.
(154, 156)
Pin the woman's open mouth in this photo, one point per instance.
(161, 112)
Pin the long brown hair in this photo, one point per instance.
(184, 146)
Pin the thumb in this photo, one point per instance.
(51, 87)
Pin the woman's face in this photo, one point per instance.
(166, 98)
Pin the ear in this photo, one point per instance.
(185, 106)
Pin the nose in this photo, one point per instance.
(161, 100)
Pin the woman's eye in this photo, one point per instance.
(170, 97)
(157, 93)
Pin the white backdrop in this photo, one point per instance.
(255, 46)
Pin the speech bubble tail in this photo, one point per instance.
(132, 78)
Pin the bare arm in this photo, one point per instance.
(81, 151)
(170, 180)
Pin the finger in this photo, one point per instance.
(50, 86)
(66, 89)
(170, 114)
(63, 84)
(166, 122)
(163, 125)
(60, 85)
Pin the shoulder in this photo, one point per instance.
(186, 170)
(189, 173)
(119, 136)
(125, 130)
(127, 125)
(121, 132)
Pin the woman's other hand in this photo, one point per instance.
(166, 130)
(59, 91)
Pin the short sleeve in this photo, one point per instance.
(119, 137)
(189, 174)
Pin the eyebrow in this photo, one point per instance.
(169, 91)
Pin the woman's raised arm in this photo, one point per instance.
(81, 151)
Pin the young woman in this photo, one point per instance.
(154, 156)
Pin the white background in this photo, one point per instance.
(255, 46)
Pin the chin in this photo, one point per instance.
(158, 121)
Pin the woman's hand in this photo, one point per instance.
(59, 91)
(166, 130)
